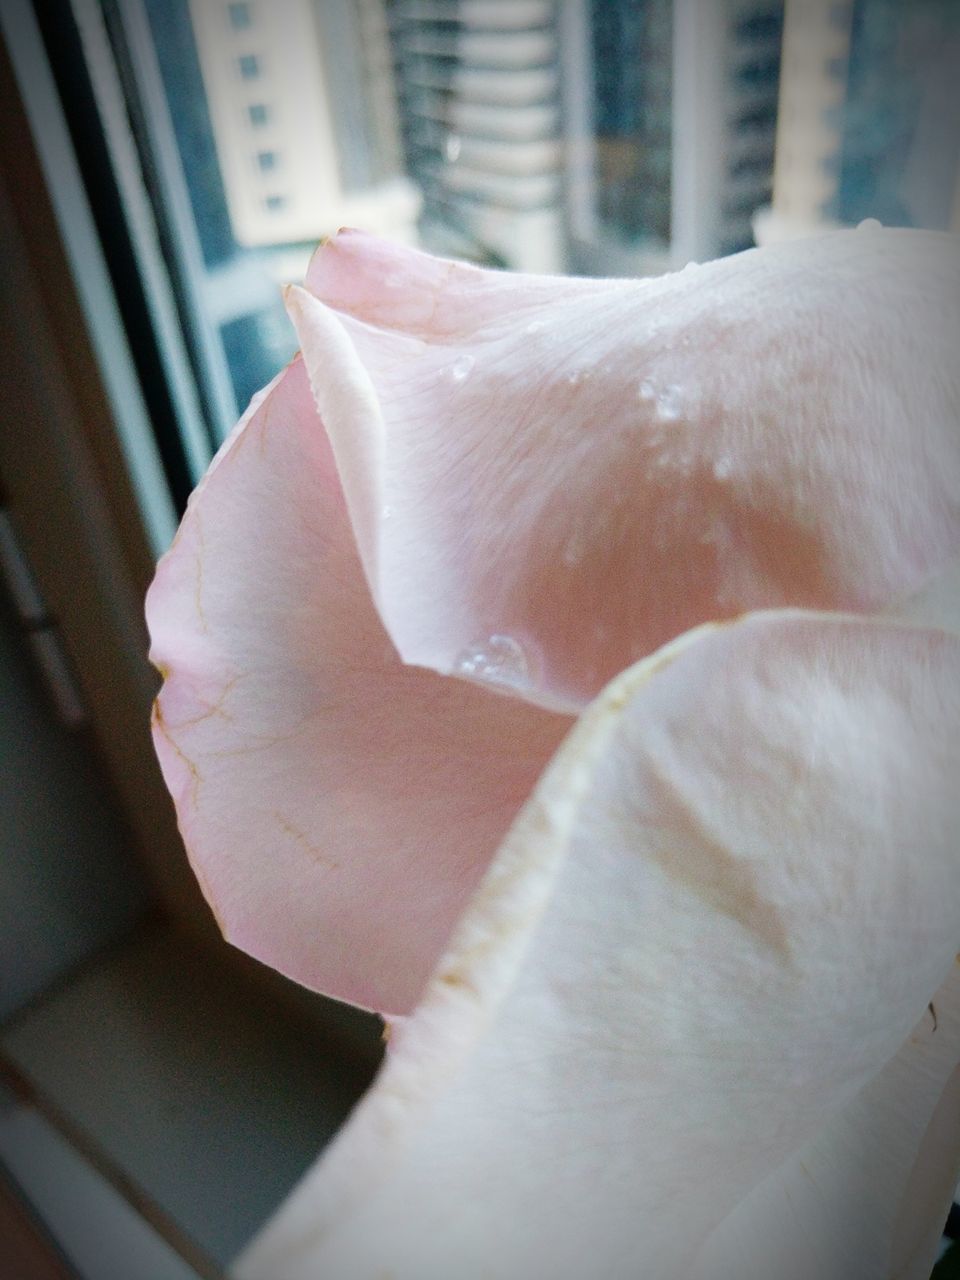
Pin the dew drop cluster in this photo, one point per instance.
(497, 660)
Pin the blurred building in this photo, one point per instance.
(601, 136)
(480, 99)
(869, 117)
(304, 116)
(604, 137)
(594, 135)
(283, 121)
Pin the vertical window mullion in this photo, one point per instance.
(163, 172)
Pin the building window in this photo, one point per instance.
(267, 161)
(760, 73)
(249, 65)
(275, 204)
(258, 114)
(240, 16)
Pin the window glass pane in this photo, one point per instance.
(898, 136)
(869, 123)
(239, 287)
(633, 65)
(454, 125)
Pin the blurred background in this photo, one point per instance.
(166, 166)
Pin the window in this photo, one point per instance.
(760, 73)
(249, 65)
(121, 308)
(267, 161)
(258, 114)
(240, 16)
(275, 203)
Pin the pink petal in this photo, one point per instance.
(589, 468)
(703, 954)
(393, 286)
(338, 807)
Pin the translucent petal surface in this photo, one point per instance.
(590, 468)
(868, 1194)
(338, 807)
(697, 962)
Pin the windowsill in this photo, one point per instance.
(199, 1095)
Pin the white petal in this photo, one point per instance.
(710, 931)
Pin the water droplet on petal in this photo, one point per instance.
(723, 467)
(452, 147)
(669, 404)
(870, 224)
(498, 660)
(386, 513)
(534, 326)
(461, 368)
(647, 390)
(575, 548)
